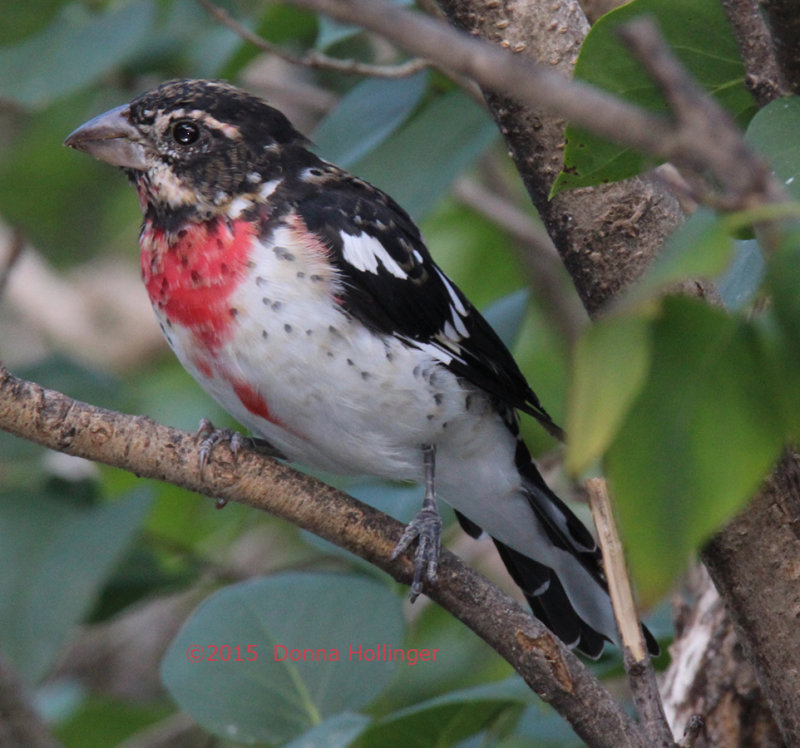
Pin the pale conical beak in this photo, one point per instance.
(112, 138)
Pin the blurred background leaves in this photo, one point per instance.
(100, 570)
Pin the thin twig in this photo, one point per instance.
(148, 449)
(314, 59)
(640, 671)
(20, 725)
(16, 244)
(537, 253)
(689, 141)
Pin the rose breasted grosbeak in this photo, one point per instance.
(304, 300)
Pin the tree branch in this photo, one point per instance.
(148, 449)
(784, 25)
(314, 59)
(764, 78)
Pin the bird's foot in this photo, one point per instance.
(209, 436)
(426, 528)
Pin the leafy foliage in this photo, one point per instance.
(701, 38)
(685, 406)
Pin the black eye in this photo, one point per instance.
(185, 132)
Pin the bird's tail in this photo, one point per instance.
(569, 593)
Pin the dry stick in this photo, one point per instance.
(641, 675)
(147, 449)
(313, 59)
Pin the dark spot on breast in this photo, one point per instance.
(316, 278)
(309, 331)
(287, 327)
(438, 397)
(233, 311)
(276, 305)
(350, 362)
(264, 334)
(365, 375)
(265, 301)
(260, 280)
(283, 254)
(301, 274)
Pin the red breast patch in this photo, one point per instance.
(191, 275)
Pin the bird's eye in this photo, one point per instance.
(185, 132)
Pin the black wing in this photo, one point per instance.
(394, 286)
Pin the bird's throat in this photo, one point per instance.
(191, 273)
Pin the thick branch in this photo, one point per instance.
(148, 449)
(755, 562)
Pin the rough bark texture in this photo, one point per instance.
(710, 676)
(764, 78)
(606, 236)
(755, 563)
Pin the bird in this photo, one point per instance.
(304, 300)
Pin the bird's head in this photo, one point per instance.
(191, 144)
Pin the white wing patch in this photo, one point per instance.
(365, 253)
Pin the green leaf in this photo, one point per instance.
(366, 116)
(506, 316)
(339, 731)
(55, 555)
(273, 698)
(448, 719)
(609, 369)
(698, 440)
(701, 247)
(773, 132)
(417, 164)
(700, 36)
(741, 280)
(73, 51)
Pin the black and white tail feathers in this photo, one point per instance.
(571, 600)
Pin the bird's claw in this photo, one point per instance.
(210, 436)
(426, 528)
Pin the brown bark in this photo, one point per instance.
(755, 563)
(710, 677)
(607, 235)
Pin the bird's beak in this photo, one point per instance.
(112, 138)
